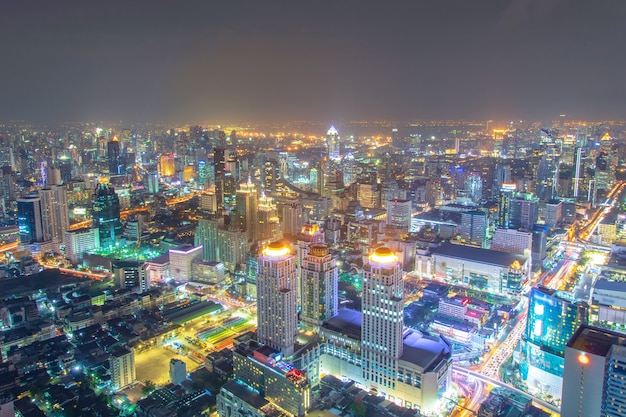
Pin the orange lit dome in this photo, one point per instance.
(276, 249)
(383, 256)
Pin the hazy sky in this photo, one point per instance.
(336, 60)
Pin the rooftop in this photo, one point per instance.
(485, 256)
(595, 341)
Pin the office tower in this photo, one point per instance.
(30, 219)
(151, 182)
(578, 170)
(232, 165)
(268, 224)
(79, 241)
(206, 236)
(167, 165)
(383, 322)
(399, 214)
(512, 241)
(122, 368)
(554, 213)
(292, 217)
(270, 173)
(603, 177)
(54, 207)
(474, 187)
(203, 175)
(349, 166)
(502, 176)
(310, 234)
(181, 261)
(507, 191)
(208, 202)
(553, 318)
(547, 176)
(132, 230)
(178, 371)
(540, 244)
(523, 211)
(232, 247)
(114, 157)
(105, 211)
(319, 286)
(129, 274)
(246, 209)
(219, 168)
(332, 144)
(593, 374)
(473, 228)
(277, 299)
(54, 175)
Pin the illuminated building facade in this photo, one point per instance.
(265, 384)
(181, 262)
(246, 209)
(105, 211)
(207, 237)
(553, 317)
(54, 207)
(167, 165)
(319, 277)
(332, 144)
(473, 228)
(399, 213)
(276, 298)
(267, 222)
(122, 368)
(593, 375)
(30, 219)
(79, 241)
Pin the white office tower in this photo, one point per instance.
(593, 374)
(319, 286)
(399, 213)
(178, 371)
(381, 331)
(277, 312)
(332, 142)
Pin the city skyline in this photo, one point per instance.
(237, 61)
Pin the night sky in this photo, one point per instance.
(340, 60)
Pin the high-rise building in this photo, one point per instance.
(593, 374)
(54, 207)
(523, 211)
(167, 165)
(309, 235)
(181, 261)
(276, 298)
(178, 371)
(332, 144)
(105, 210)
(399, 213)
(553, 318)
(473, 228)
(206, 236)
(129, 275)
(474, 187)
(507, 192)
(30, 219)
(383, 320)
(547, 176)
(79, 241)
(267, 222)
(232, 247)
(219, 168)
(114, 157)
(540, 244)
(246, 209)
(319, 286)
(122, 368)
(292, 217)
(513, 241)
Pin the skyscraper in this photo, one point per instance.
(246, 209)
(553, 317)
(383, 322)
(473, 228)
(268, 225)
(114, 157)
(276, 298)
(504, 204)
(332, 144)
(319, 286)
(207, 236)
(30, 219)
(219, 167)
(105, 210)
(593, 375)
(54, 206)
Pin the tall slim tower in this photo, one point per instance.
(319, 286)
(276, 298)
(207, 236)
(267, 222)
(219, 166)
(114, 157)
(332, 142)
(309, 235)
(54, 206)
(383, 321)
(105, 210)
(246, 208)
